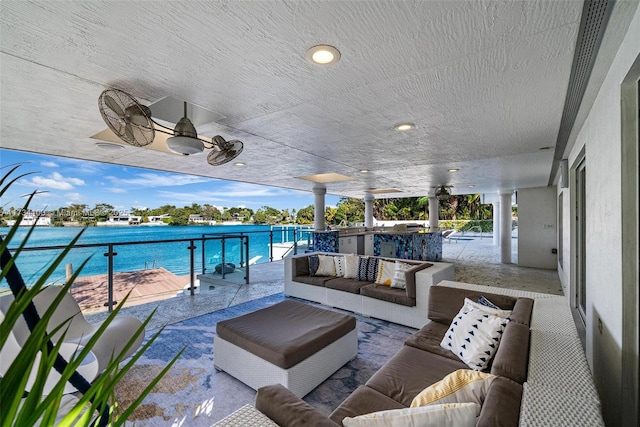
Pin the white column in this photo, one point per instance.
(496, 223)
(505, 227)
(318, 208)
(434, 213)
(368, 210)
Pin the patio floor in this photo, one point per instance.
(476, 261)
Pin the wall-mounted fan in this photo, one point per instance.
(442, 192)
(132, 122)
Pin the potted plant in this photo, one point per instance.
(95, 405)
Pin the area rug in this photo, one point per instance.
(193, 393)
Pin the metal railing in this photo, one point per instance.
(193, 243)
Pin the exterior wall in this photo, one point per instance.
(600, 138)
(537, 228)
(564, 268)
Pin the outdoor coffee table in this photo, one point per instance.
(291, 343)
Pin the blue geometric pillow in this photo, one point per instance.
(474, 334)
(314, 263)
(484, 301)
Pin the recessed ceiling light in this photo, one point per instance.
(323, 55)
(470, 186)
(545, 148)
(402, 127)
(452, 170)
(364, 170)
(109, 146)
(238, 164)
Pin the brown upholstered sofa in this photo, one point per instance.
(404, 306)
(420, 363)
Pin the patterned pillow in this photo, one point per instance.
(314, 262)
(327, 267)
(351, 266)
(400, 275)
(339, 262)
(475, 333)
(385, 274)
(484, 301)
(367, 269)
(463, 385)
(443, 415)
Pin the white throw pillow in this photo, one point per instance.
(386, 270)
(444, 415)
(350, 266)
(475, 333)
(339, 263)
(400, 275)
(326, 267)
(463, 385)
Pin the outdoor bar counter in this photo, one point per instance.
(392, 242)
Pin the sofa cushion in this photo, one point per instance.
(351, 266)
(339, 262)
(312, 280)
(463, 385)
(522, 310)
(409, 372)
(400, 275)
(326, 266)
(410, 276)
(501, 407)
(386, 293)
(363, 401)
(429, 338)
(386, 272)
(300, 266)
(445, 302)
(444, 415)
(475, 333)
(286, 409)
(314, 263)
(367, 269)
(512, 358)
(348, 285)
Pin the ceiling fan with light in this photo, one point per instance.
(442, 192)
(132, 122)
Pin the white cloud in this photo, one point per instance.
(152, 180)
(48, 164)
(117, 190)
(55, 181)
(74, 197)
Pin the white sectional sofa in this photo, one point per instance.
(404, 306)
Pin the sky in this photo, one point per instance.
(66, 181)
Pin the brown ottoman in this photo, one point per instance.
(290, 343)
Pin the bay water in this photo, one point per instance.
(174, 256)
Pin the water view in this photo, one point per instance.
(172, 256)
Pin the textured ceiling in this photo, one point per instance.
(484, 82)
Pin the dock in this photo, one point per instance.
(91, 292)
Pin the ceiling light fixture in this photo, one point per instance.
(109, 146)
(323, 55)
(238, 164)
(452, 170)
(364, 170)
(470, 186)
(403, 127)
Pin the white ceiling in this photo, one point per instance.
(484, 81)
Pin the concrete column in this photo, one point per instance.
(496, 223)
(434, 213)
(368, 210)
(318, 208)
(505, 227)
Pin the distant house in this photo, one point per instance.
(121, 220)
(197, 219)
(29, 220)
(157, 219)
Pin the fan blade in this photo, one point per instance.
(137, 115)
(219, 141)
(231, 151)
(113, 105)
